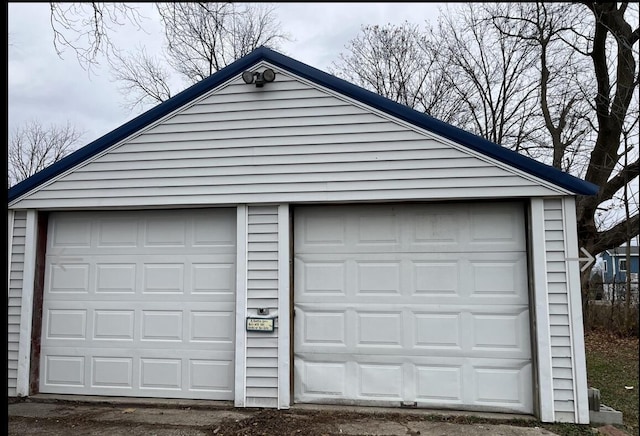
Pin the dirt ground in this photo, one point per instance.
(108, 420)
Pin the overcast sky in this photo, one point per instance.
(45, 87)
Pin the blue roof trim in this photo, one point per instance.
(474, 142)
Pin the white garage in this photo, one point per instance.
(419, 305)
(301, 241)
(140, 304)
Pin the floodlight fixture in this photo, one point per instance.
(247, 76)
(259, 78)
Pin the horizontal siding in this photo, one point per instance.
(16, 269)
(292, 165)
(277, 185)
(283, 197)
(262, 402)
(261, 382)
(565, 416)
(268, 372)
(286, 142)
(560, 340)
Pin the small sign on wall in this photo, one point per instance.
(259, 324)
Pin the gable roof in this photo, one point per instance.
(469, 140)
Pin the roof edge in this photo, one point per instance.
(427, 122)
(467, 139)
(132, 126)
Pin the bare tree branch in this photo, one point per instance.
(142, 79)
(202, 38)
(87, 28)
(617, 235)
(33, 147)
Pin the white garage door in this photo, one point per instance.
(419, 305)
(140, 304)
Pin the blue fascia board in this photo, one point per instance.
(467, 139)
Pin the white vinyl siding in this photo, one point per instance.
(559, 314)
(293, 141)
(16, 270)
(286, 142)
(262, 292)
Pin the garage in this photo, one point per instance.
(305, 241)
(140, 303)
(417, 305)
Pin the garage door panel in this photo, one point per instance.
(379, 329)
(413, 331)
(380, 381)
(478, 384)
(501, 386)
(498, 278)
(417, 298)
(501, 333)
(112, 372)
(151, 250)
(116, 277)
(416, 228)
(424, 304)
(378, 277)
(321, 379)
(72, 233)
(129, 279)
(65, 323)
(140, 231)
(140, 304)
(111, 324)
(150, 374)
(67, 278)
(325, 328)
(499, 275)
(481, 384)
(439, 383)
(321, 276)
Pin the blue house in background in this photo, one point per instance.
(614, 270)
(615, 264)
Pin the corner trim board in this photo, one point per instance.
(541, 310)
(283, 307)
(241, 306)
(26, 305)
(574, 293)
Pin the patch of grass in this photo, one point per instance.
(571, 429)
(612, 364)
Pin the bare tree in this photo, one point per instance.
(556, 81)
(33, 147)
(397, 61)
(390, 60)
(461, 72)
(616, 78)
(490, 77)
(589, 115)
(200, 39)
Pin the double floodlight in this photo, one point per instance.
(249, 77)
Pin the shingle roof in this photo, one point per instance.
(473, 142)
